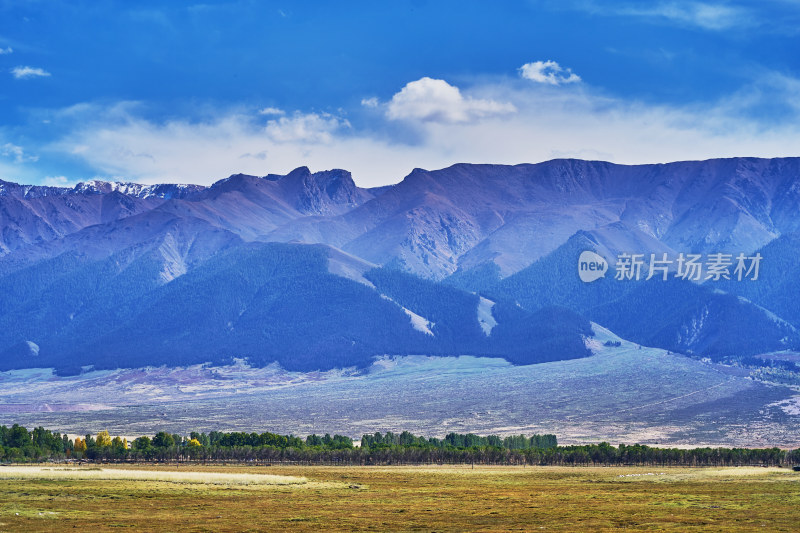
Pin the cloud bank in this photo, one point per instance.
(17, 154)
(711, 16)
(502, 120)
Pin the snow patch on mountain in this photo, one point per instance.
(485, 317)
(165, 191)
(690, 333)
(174, 264)
(419, 323)
(604, 339)
(348, 266)
(33, 347)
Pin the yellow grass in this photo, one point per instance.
(96, 474)
(439, 498)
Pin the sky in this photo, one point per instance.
(192, 92)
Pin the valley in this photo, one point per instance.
(449, 301)
(400, 266)
(621, 394)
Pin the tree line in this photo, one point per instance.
(457, 440)
(17, 444)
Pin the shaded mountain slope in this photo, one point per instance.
(677, 315)
(264, 302)
(778, 284)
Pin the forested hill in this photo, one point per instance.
(313, 272)
(263, 302)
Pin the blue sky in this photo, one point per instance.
(193, 92)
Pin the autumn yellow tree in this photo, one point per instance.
(194, 443)
(79, 445)
(103, 439)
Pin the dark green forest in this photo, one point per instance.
(272, 302)
(262, 302)
(660, 313)
(18, 445)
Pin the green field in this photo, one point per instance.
(438, 498)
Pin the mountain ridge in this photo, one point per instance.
(504, 239)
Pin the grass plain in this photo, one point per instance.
(436, 498)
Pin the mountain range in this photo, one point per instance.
(314, 272)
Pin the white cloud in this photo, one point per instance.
(431, 100)
(309, 128)
(22, 73)
(262, 155)
(548, 72)
(6, 50)
(271, 111)
(17, 153)
(705, 15)
(370, 102)
(57, 181)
